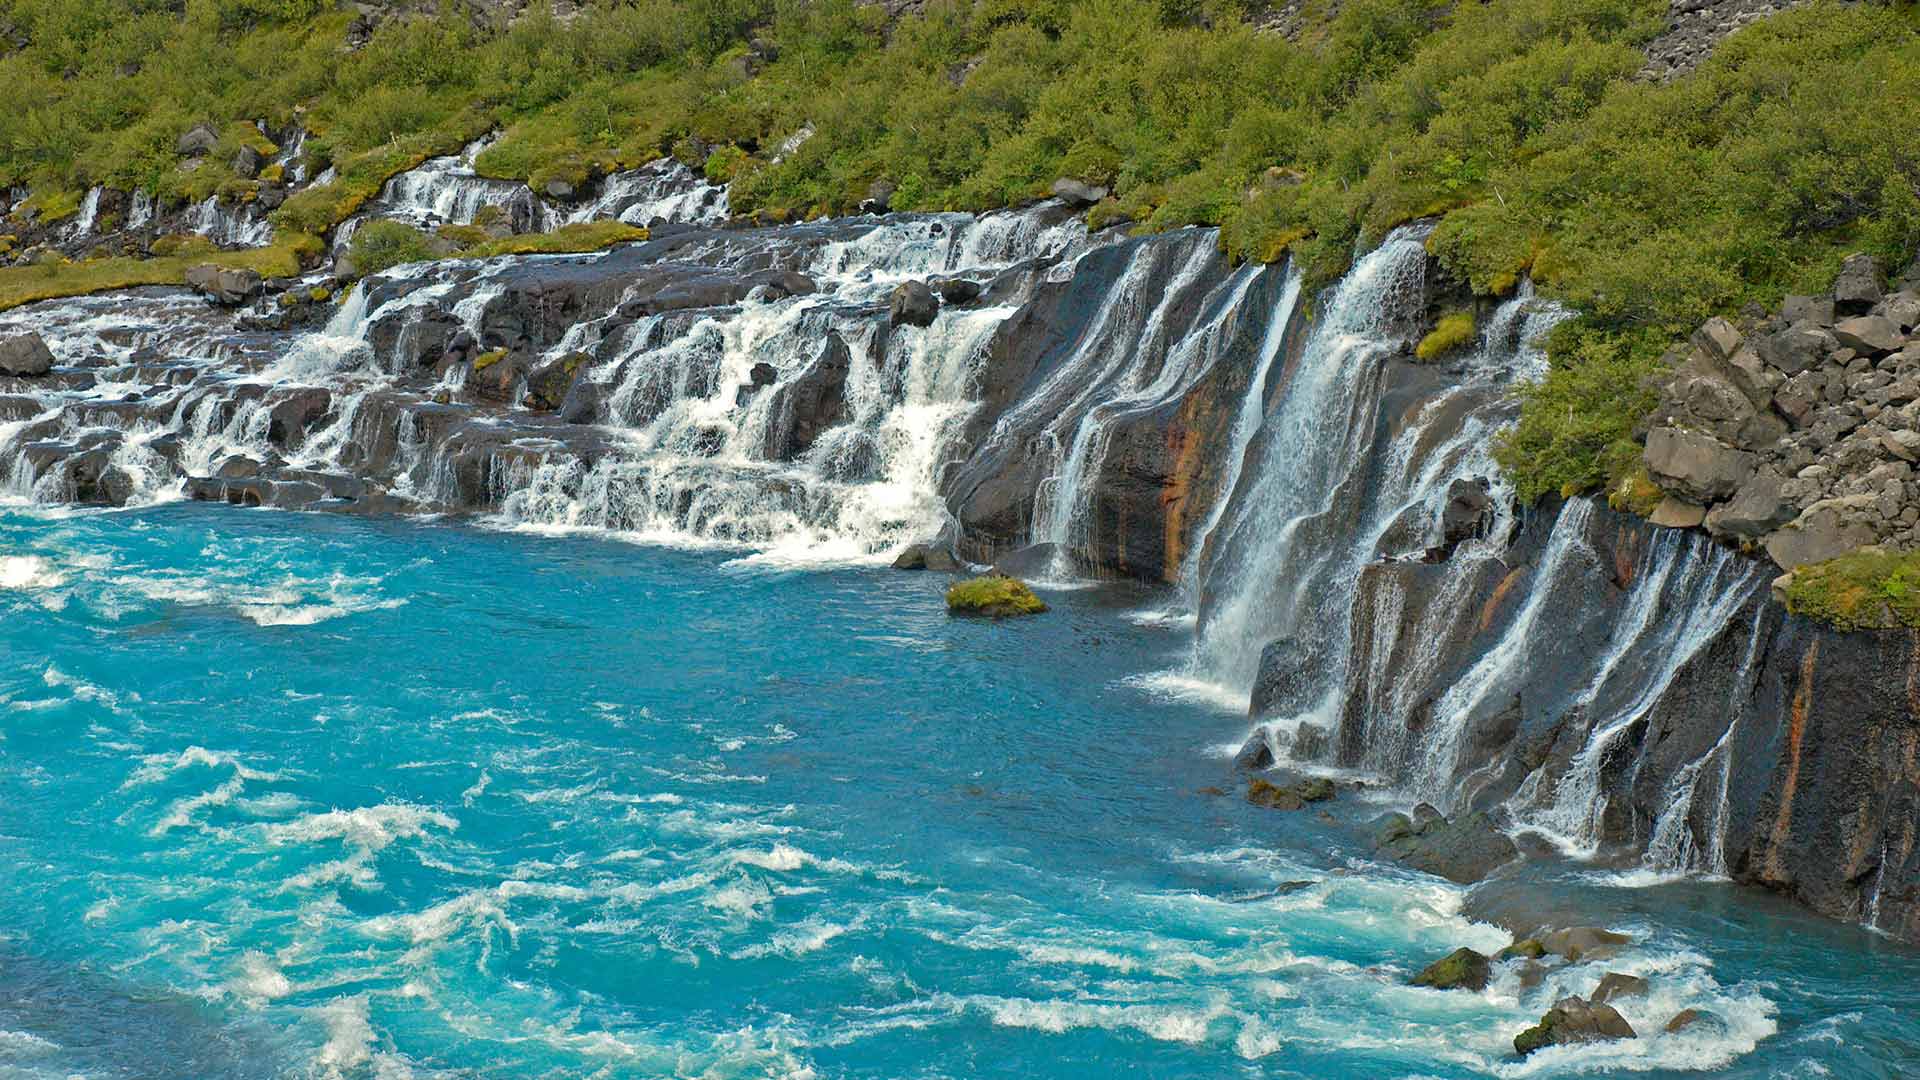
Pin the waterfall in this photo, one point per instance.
(228, 226)
(663, 191)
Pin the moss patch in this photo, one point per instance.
(26, 284)
(1451, 332)
(993, 596)
(1870, 589)
(567, 239)
(487, 359)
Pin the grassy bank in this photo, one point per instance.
(1518, 123)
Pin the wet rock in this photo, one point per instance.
(551, 380)
(1524, 949)
(25, 356)
(912, 304)
(1255, 754)
(1583, 942)
(957, 290)
(1286, 680)
(1572, 1021)
(926, 557)
(1696, 466)
(1462, 969)
(1294, 796)
(1687, 1018)
(1032, 561)
(763, 374)
(811, 403)
(1078, 193)
(1467, 513)
(879, 197)
(1615, 985)
(1462, 851)
(495, 375)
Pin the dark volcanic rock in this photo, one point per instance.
(912, 304)
(1572, 1021)
(1464, 850)
(807, 405)
(1462, 969)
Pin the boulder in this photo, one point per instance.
(926, 557)
(912, 304)
(1675, 513)
(199, 139)
(1814, 309)
(1755, 510)
(1583, 942)
(1078, 193)
(1287, 680)
(1468, 510)
(1615, 985)
(1868, 335)
(1293, 796)
(1461, 969)
(1254, 754)
(1695, 465)
(1799, 347)
(247, 162)
(958, 290)
(1826, 530)
(550, 380)
(879, 197)
(1033, 561)
(1902, 309)
(227, 288)
(1572, 1021)
(1462, 851)
(1857, 287)
(25, 356)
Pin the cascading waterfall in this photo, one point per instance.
(1265, 568)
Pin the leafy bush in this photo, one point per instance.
(383, 245)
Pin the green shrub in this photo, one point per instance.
(383, 245)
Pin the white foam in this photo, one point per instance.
(370, 827)
(28, 572)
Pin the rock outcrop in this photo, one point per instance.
(1798, 432)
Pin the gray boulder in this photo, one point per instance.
(1826, 530)
(25, 355)
(1814, 309)
(1868, 335)
(1755, 510)
(1576, 943)
(1696, 466)
(1078, 193)
(1857, 288)
(1462, 851)
(1461, 969)
(198, 140)
(228, 288)
(1800, 346)
(913, 304)
(926, 557)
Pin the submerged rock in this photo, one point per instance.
(1571, 1021)
(1583, 943)
(1293, 796)
(926, 557)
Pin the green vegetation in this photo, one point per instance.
(1868, 589)
(994, 596)
(1517, 124)
(383, 245)
(45, 281)
(1452, 331)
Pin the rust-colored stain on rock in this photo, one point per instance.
(1796, 729)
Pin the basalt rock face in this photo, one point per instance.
(1672, 714)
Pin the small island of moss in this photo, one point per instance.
(993, 596)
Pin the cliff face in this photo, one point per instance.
(1632, 693)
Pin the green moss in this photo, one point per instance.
(567, 239)
(1454, 330)
(1868, 589)
(183, 244)
(463, 236)
(994, 596)
(1635, 493)
(46, 207)
(487, 359)
(23, 285)
(1462, 969)
(1528, 949)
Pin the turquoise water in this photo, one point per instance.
(291, 795)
